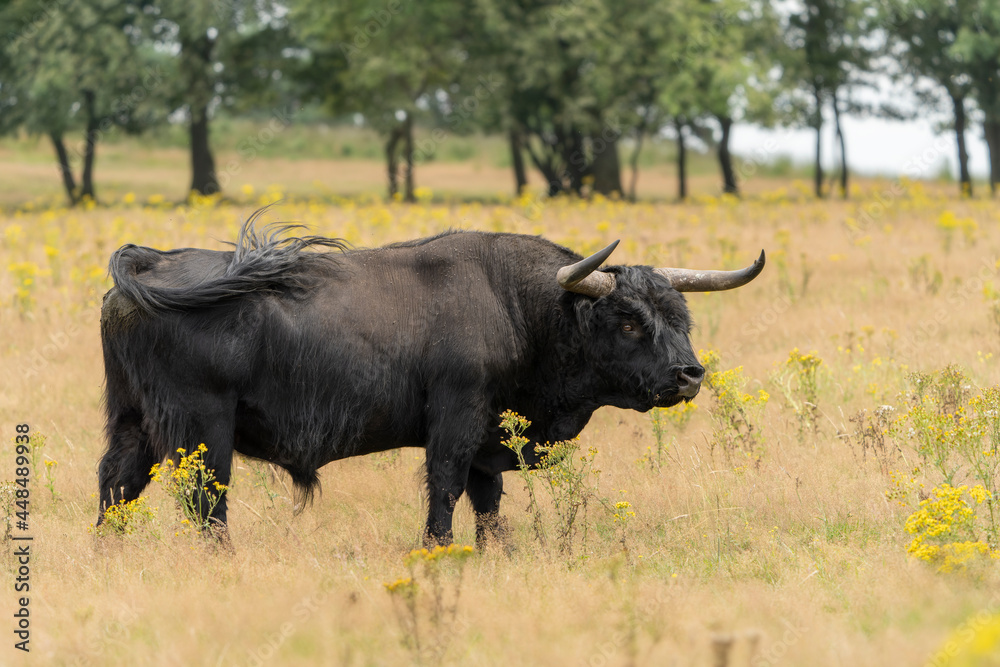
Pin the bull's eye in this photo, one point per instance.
(628, 328)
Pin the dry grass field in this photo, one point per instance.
(28, 170)
(761, 528)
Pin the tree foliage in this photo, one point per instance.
(74, 68)
(571, 83)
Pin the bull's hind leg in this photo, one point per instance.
(124, 469)
(485, 491)
(213, 426)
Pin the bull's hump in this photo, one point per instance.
(118, 312)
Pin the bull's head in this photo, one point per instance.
(639, 326)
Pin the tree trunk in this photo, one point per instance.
(408, 156)
(390, 160)
(606, 166)
(843, 146)
(203, 177)
(681, 161)
(991, 128)
(517, 161)
(634, 163)
(89, 147)
(546, 167)
(69, 183)
(964, 179)
(196, 64)
(818, 125)
(729, 184)
(574, 157)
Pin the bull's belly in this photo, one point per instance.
(299, 444)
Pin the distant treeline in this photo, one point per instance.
(570, 85)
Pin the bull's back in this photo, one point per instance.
(427, 307)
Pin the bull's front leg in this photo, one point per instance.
(455, 436)
(447, 475)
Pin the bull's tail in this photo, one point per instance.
(261, 262)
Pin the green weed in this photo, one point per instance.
(735, 413)
(426, 602)
(192, 485)
(678, 415)
(126, 518)
(565, 476)
(798, 381)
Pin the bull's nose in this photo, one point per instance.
(689, 380)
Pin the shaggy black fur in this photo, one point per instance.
(302, 358)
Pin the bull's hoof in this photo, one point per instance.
(217, 537)
(496, 535)
(431, 541)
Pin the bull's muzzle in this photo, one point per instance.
(688, 380)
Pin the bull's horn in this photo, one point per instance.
(584, 278)
(690, 280)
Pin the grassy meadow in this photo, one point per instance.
(316, 159)
(765, 526)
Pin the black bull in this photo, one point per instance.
(301, 358)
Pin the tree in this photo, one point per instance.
(563, 84)
(737, 81)
(392, 57)
(711, 68)
(75, 67)
(978, 47)
(666, 51)
(213, 43)
(923, 35)
(690, 67)
(828, 50)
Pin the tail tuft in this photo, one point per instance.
(305, 483)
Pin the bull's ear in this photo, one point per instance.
(692, 280)
(584, 278)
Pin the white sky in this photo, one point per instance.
(874, 146)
